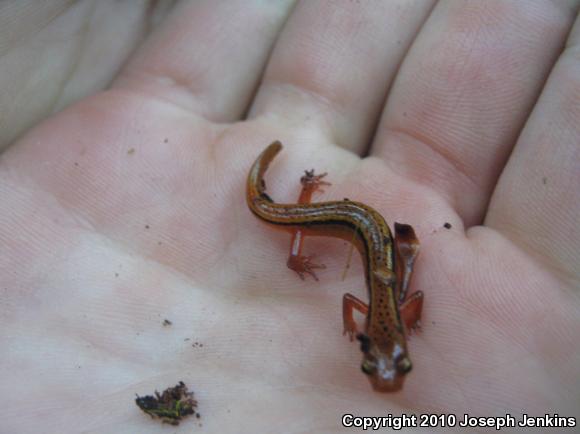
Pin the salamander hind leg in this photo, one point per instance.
(406, 250)
(411, 310)
(349, 303)
(303, 264)
(311, 183)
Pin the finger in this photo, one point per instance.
(333, 64)
(537, 200)
(207, 56)
(464, 92)
(48, 51)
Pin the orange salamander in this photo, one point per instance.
(388, 263)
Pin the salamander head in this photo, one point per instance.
(385, 365)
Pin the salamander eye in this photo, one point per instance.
(368, 367)
(404, 365)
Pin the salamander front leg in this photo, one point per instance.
(296, 261)
(349, 303)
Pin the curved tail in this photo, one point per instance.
(256, 186)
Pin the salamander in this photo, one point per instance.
(388, 261)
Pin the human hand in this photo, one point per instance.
(55, 52)
(129, 208)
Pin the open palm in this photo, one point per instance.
(128, 209)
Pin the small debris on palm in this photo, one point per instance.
(171, 406)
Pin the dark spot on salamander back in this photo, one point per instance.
(447, 225)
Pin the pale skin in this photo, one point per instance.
(128, 208)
